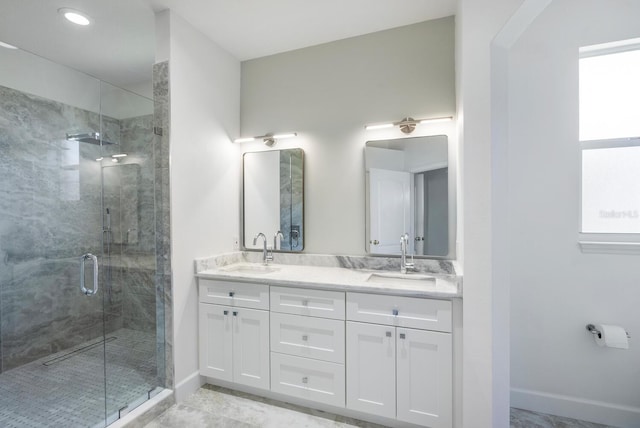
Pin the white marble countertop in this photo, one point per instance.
(441, 286)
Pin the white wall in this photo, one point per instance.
(205, 174)
(328, 93)
(485, 359)
(555, 289)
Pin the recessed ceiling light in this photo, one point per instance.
(75, 16)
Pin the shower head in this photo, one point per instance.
(91, 138)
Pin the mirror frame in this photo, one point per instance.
(452, 199)
(242, 235)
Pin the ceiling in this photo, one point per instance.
(119, 46)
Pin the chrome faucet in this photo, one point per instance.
(276, 241)
(267, 256)
(404, 264)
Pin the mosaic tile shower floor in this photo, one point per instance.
(67, 389)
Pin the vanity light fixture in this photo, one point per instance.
(75, 16)
(408, 124)
(268, 139)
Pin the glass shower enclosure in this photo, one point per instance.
(81, 314)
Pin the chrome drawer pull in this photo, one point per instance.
(402, 335)
(395, 312)
(388, 334)
(305, 337)
(305, 380)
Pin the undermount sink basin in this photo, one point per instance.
(251, 269)
(401, 279)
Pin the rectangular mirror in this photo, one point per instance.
(273, 198)
(410, 189)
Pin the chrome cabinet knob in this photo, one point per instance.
(305, 337)
(235, 313)
(395, 312)
(305, 380)
(232, 293)
(226, 312)
(402, 335)
(388, 334)
(374, 242)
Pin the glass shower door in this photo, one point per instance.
(133, 345)
(52, 314)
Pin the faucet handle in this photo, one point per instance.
(269, 255)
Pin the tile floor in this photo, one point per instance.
(213, 406)
(67, 389)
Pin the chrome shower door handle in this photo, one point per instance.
(86, 291)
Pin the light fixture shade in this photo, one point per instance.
(268, 139)
(436, 120)
(7, 45)
(408, 124)
(244, 140)
(380, 126)
(283, 136)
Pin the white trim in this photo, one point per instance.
(188, 386)
(574, 407)
(600, 247)
(609, 48)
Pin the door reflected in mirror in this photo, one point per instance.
(408, 191)
(273, 199)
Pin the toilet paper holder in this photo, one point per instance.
(593, 330)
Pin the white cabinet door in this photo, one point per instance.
(251, 347)
(389, 209)
(215, 330)
(424, 378)
(371, 369)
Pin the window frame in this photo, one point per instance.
(603, 242)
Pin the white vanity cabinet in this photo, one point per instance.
(369, 354)
(307, 344)
(399, 358)
(234, 332)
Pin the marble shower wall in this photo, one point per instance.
(164, 293)
(51, 213)
(291, 199)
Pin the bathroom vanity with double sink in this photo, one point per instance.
(341, 334)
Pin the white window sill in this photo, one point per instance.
(600, 247)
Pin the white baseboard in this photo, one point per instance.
(576, 408)
(188, 386)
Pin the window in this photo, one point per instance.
(610, 143)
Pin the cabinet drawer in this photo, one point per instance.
(309, 379)
(315, 303)
(238, 294)
(426, 314)
(322, 339)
